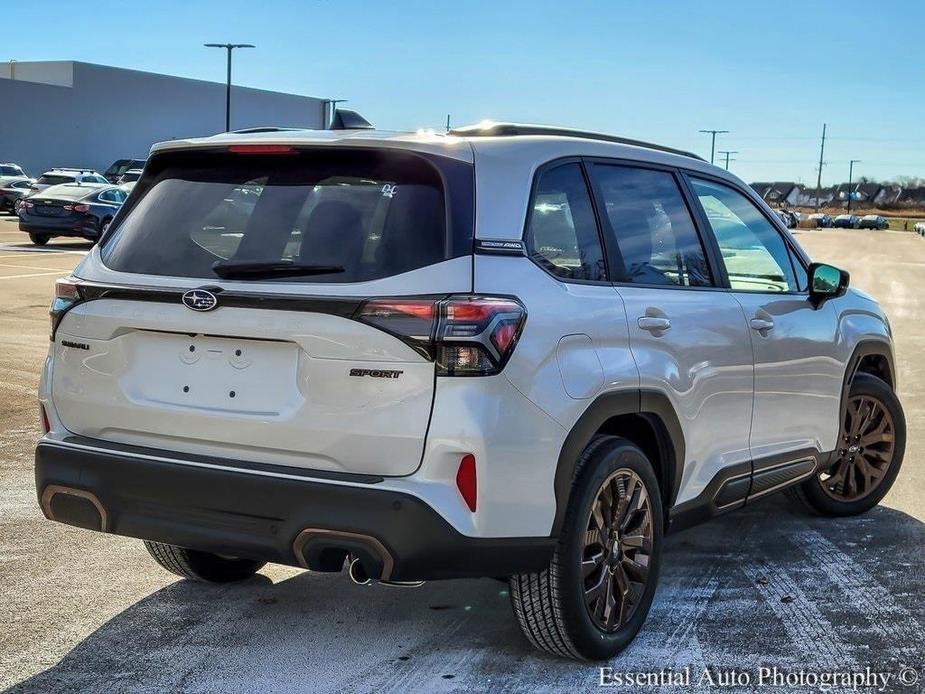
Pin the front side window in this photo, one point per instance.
(562, 234)
(652, 226)
(756, 256)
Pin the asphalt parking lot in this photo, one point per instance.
(767, 586)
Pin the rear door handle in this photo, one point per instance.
(653, 323)
(762, 325)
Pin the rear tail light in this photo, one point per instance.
(77, 208)
(464, 335)
(466, 481)
(67, 295)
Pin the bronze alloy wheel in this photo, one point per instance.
(865, 451)
(617, 550)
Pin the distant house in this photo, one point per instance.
(911, 197)
(778, 194)
(810, 196)
(869, 193)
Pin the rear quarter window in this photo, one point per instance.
(373, 213)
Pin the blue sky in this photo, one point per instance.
(771, 73)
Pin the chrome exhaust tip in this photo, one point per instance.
(357, 573)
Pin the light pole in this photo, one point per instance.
(714, 133)
(851, 176)
(727, 153)
(228, 47)
(333, 104)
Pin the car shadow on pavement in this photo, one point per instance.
(766, 586)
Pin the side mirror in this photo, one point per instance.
(826, 282)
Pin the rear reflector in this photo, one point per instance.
(262, 149)
(465, 480)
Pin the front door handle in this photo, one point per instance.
(653, 323)
(762, 325)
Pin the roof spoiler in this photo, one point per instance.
(345, 119)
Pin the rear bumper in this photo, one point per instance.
(82, 228)
(239, 509)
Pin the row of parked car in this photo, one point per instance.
(67, 201)
(820, 220)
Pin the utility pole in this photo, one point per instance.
(821, 164)
(228, 47)
(850, 177)
(727, 152)
(332, 103)
(448, 122)
(714, 133)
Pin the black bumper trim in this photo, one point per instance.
(257, 516)
(243, 465)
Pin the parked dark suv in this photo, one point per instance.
(120, 166)
(84, 211)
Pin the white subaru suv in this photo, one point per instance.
(508, 351)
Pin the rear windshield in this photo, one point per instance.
(67, 192)
(54, 179)
(8, 170)
(372, 213)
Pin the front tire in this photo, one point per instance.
(39, 239)
(871, 445)
(201, 566)
(593, 598)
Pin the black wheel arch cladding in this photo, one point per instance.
(653, 406)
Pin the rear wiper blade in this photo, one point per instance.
(250, 269)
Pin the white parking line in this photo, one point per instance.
(34, 274)
(18, 251)
(32, 267)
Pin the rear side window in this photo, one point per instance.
(653, 228)
(370, 213)
(562, 234)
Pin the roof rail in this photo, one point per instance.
(513, 129)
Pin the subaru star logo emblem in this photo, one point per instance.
(200, 300)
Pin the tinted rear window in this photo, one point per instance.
(7, 170)
(55, 179)
(374, 213)
(67, 192)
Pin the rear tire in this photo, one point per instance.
(201, 566)
(39, 239)
(868, 462)
(568, 608)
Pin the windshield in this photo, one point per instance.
(10, 170)
(363, 214)
(117, 166)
